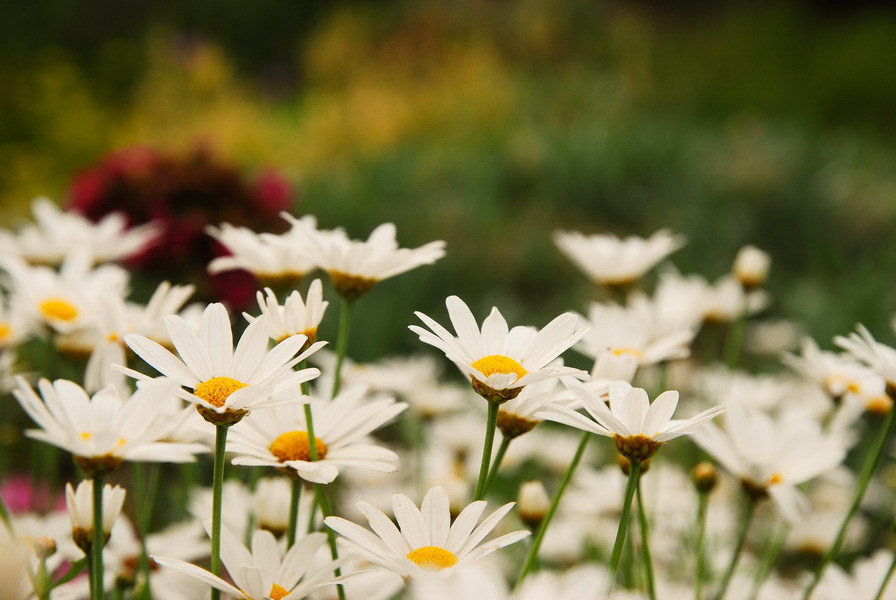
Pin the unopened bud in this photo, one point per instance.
(44, 547)
(533, 503)
(879, 405)
(751, 267)
(704, 475)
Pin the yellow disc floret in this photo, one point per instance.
(58, 309)
(5, 330)
(619, 351)
(277, 592)
(293, 445)
(432, 558)
(496, 363)
(216, 390)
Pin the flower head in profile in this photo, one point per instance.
(425, 540)
(106, 429)
(881, 358)
(501, 361)
(638, 426)
(278, 437)
(609, 260)
(270, 258)
(80, 510)
(265, 571)
(225, 383)
(295, 316)
(356, 266)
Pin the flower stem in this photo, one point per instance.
(733, 340)
(490, 427)
(321, 496)
(496, 463)
(217, 493)
(345, 317)
(769, 557)
(633, 474)
(143, 500)
(7, 522)
(293, 512)
(739, 546)
(545, 523)
(99, 538)
(864, 479)
(700, 572)
(883, 584)
(645, 545)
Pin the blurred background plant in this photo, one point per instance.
(487, 125)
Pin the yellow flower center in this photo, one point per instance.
(495, 363)
(216, 390)
(432, 558)
(625, 350)
(775, 478)
(58, 309)
(4, 331)
(293, 445)
(277, 592)
(879, 405)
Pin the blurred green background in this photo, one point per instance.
(489, 125)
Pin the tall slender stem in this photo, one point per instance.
(546, 522)
(217, 493)
(645, 545)
(769, 557)
(700, 570)
(312, 450)
(738, 547)
(143, 499)
(490, 427)
(864, 479)
(883, 584)
(345, 318)
(734, 339)
(321, 496)
(633, 474)
(496, 462)
(99, 538)
(293, 512)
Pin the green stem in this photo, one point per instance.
(864, 479)
(883, 584)
(739, 546)
(734, 339)
(7, 521)
(217, 493)
(321, 496)
(99, 538)
(42, 581)
(496, 462)
(293, 512)
(490, 427)
(546, 522)
(645, 545)
(345, 317)
(769, 558)
(700, 574)
(143, 499)
(631, 486)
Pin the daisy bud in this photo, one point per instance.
(879, 405)
(44, 547)
(705, 478)
(751, 266)
(533, 503)
(80, 510)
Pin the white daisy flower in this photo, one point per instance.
(638, 426)
(279, 437)
(80, 510)
(501, 361)
(356, 266)
(862, 583)
(771, 457)
(106, 429)
(609, 260)
(864, 348)
(426, 540)
(518, 416)
(225, 383)
(55, 234)
(270, 506)
(634, 330)
(727, 299)
(269, 257)
(295, 316)
(264, 572)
